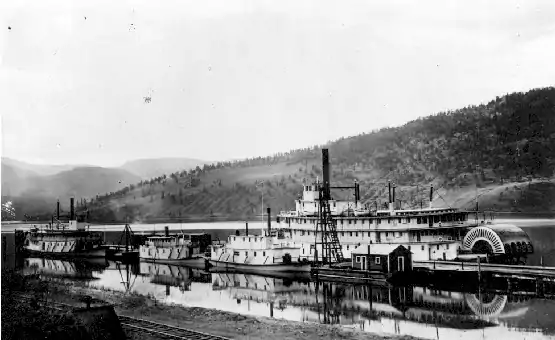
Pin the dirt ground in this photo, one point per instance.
(231, 325)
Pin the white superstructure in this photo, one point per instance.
(428, 233)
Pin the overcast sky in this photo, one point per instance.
(232, 79)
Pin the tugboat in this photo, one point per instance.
(64, 239)
(183, 248)
(272, 252)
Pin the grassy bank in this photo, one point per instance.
(27, 320)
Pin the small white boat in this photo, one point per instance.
(186, 249)
(271, 252)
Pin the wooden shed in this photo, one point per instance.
(385, 258)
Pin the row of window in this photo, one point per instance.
(236, 253)
(342, 233)
(460, 217)
(377, 259)
(256, 239)
(347, 247)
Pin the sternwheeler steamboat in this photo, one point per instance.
(69, 238)
(430, 233)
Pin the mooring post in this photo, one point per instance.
(539, 287)
(479, 270)
(4, 251)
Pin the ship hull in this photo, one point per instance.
(193, 261)
(260, 268)
(92, 253)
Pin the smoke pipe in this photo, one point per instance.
(389, 191)
(71, 209)
(389, 204)
(394, 186)
(167, 230)
(58, 210)
(431, 195)
(326, 173)
(269, 221)
(247, 228)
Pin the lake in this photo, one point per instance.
(424, 311)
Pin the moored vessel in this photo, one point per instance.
(182, 248)
(64, 239)
(273, 251)
(428, 233)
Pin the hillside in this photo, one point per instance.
(36, 195)
(504, 148)
(148, 168)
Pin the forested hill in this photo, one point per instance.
(505, 148)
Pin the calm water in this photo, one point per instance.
(420, 311)
(427, 312)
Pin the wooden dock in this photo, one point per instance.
(452, 266)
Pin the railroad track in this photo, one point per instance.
(136, 325)
(165, 331)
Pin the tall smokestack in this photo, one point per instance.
(247, 228)
(167, 231)
(431, 195)
(389, 191)
(394, 186)
(326, 173)
(58, 210)
(269, 221)
(389, 204)
(71, 209)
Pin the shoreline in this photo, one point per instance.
(548, 216)
(216, 322)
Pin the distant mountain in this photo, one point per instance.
(36, 195)
(505, 148)
(26, 169)
(149, 168)
(80, 182)
(12, 180)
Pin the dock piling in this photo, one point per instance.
(479, 270)
(4, 251)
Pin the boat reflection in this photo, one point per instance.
(361, 304)
(173, 275)
(421, 310)
(78, 269)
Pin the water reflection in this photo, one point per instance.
(427, 312)
(82, 269)
(173, 276)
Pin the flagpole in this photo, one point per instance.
(262, 211)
